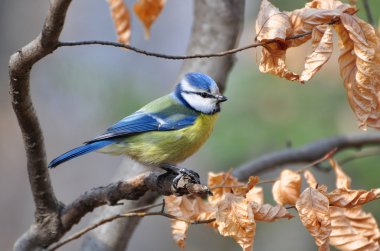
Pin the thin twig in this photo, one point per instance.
(160, 55)
(318, 161)
(368, 12)
(290, 207)
(104, 221)
(234, 186)
(182, 57)
(137, 212)
(303, 169)
(358, 155)
(176, 57)
(353, 156)
(267, 181)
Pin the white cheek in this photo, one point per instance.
(205, 105)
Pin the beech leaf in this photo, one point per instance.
(222, 183)
(342, 197)
(322, 43)
(332, 5)
(342, 179)
(121, 19)
(305, 20)
(148, 11)
(186, 207)
(287, 188)
(269, 213)
(310, 179)
(313, 209)
(235, 218)
(353, 229)
(273, 24)
(252, 181)
(359, 68)
(256, 194)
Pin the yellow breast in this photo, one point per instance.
(154, 148)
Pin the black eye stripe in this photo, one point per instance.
(202, 94)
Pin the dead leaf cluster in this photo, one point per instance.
(332, 218)
(359, 49)
(235, 208)
(147, 12)
(336, 217)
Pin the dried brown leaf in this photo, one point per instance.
(332, 5)
(310, 179)
(252, 181)
(353, 229)
(121, 19)
(305, 20)
(342, 197)
(235, 218)
(359, 68)
(273, 24)
(313, 209)
(256, 194)
(315, 13)
(287, 188)
(222, 183)
(269, 213)
(322, 43)
(186, 207)
(179, 232)
(273, 62)
(148, 11)
(342, 179)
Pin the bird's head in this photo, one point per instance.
(200, 92)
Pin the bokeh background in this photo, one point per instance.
(80, 91)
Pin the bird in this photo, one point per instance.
(164, 132)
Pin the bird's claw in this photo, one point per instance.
(184, 177)
(189, 175)
(186, 181)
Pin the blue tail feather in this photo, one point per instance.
(76, 152)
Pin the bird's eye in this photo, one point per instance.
(204, 94)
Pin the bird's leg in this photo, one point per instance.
(181, 173)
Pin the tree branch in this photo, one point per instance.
(139, 212)
(307, 153)
(93, 226)
(20, 65)
(131, 189)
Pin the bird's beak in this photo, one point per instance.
(221, 98)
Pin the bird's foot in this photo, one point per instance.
(193, 177)
(186, 181)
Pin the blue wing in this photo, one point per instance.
(144, 122)
(136, 123)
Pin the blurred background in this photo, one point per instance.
(80, 91)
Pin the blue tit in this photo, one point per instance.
(164, 132)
